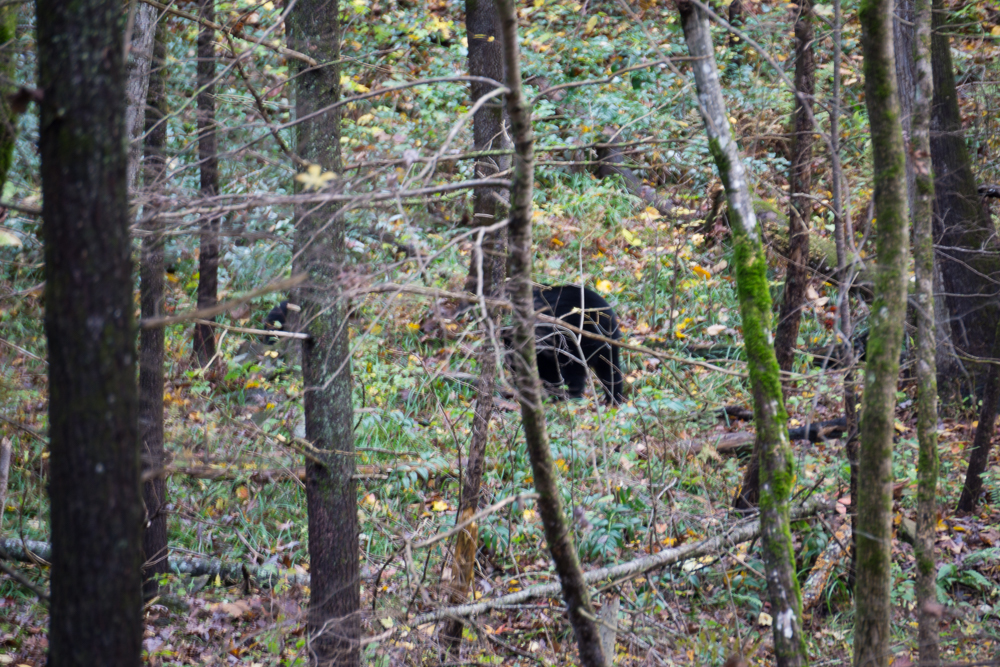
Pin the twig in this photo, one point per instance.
(23, 351)
(279, 286)
(263, 332)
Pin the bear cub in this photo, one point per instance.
(560, 359)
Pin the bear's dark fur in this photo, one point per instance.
(275, 320)
(560, 359)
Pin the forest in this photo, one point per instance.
(483, 332)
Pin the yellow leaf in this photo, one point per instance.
(704, 273)
(413, 326)
(604, 286)
(6, 238)
(591, 24)
(314, 178)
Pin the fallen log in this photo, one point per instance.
(265, 576)
(742, 532)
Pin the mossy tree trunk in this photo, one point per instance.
(799, 189)
(928, 614)
(487, 273)
(151, 341)
(772, 448)
(208, 160)
(888, 311)
(8, 65)
(94, 490)
(524, 367)
(334, 624)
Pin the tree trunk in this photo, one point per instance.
(151, 341)
(331, 496)
(524, 367)
(771, 448)
(96, 516)
(948, 365)
(140, 55)
(979, 455)
(8, 64)
(487, 274)
(967, 253)
(926, 344)
(208, 158)
(874, 501)
(799, 188)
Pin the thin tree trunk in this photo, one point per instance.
(94, 491)
(151, 341)
(843, 233)
(874, 501)
(928, 610)
(208, 157)
(331, 495)
(979, 455)
(486, 278)
(799, 188)
(771, 448)
(525, 369)
(8, 64)
(140, 56)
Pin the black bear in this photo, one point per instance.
(275, 320)
(561, 360)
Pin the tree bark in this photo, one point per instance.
(970, 265)
(874, 502)
(799, 188)
(524, 366)
(982, 441)
(771, 448)
(96, 603)
(208, 158)
(8, 64)
(140, 56)
(487, 274)
(926, 344)
(331, 495)
(948, 366)
(151, 341)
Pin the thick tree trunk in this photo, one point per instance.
(967, 249)
(926, 344)
(487, 274)
(525, 369)
(772, 448)
(331, 493)
(151, 341)
(96, 515)
(874, 501)
(140, 56)
(799, 188)
(949, 367)
(208, 157)
(8, 63)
